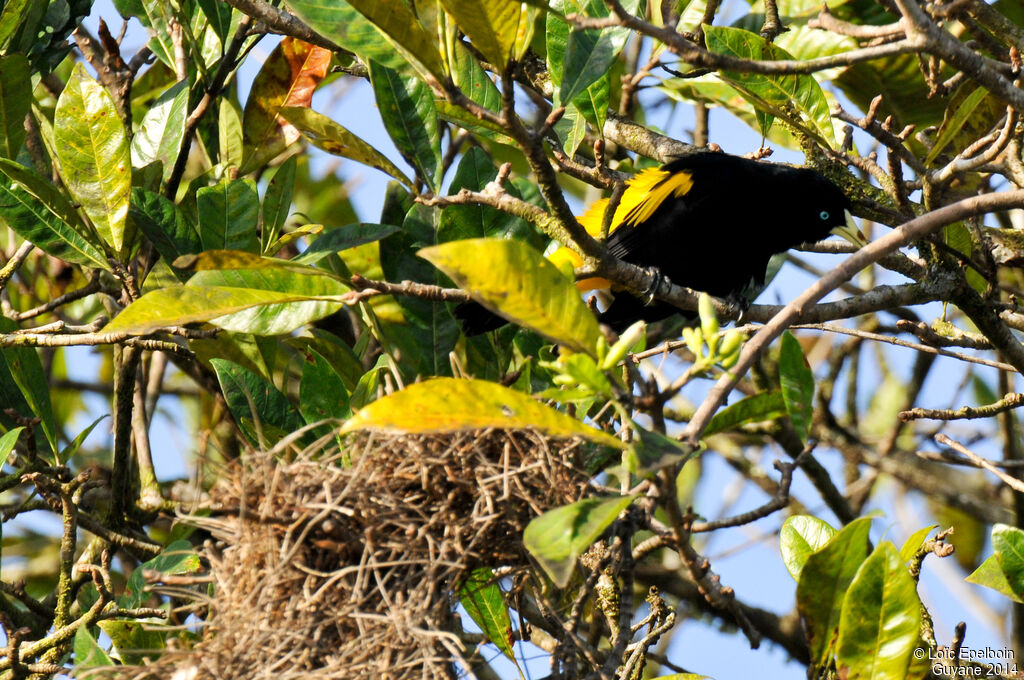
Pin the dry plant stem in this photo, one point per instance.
(11, 266)
(227, 66)
(65, 634)
(867, 335)
(997, 23)
(772, 26)
(693, 54)
(779, 501)
(94, 286)
(928, 37)
(1012, 482)
(149, 489)
(367, 288)
(924, 332)
(1007, 403)
(954, 459)
(282, 22)
(533, 147)
(24, 339)
(911, 231)
(125, 366)
(828, 22)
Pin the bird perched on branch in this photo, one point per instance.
(708, 221)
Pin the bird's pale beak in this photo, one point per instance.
(851, 232)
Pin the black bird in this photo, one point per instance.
(708, 221)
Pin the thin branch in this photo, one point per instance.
(282, 22)
(16, 261)
(408, 288)
(779, 501)
(1012, 482)
(1009, 402)
(928, 349)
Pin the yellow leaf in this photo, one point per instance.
(451, 404)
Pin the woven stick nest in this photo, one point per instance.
(346, 568)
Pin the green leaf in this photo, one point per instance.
(971, 112)
(824, 580)
(27, 370)
(72, 448)
(181, 305)
(464, 119)
(491, 26)
(343, 24)
(485, 604)
(797, 385)
(255, 403)
(1008, 546)
(881, 620)
(134, 641)
(651, 450)
(317, 293)
(990, 575)
(559, 536)
(589, 55)
(7, 442)
(959, 237)
(219, 15)
(795, 98)
(805, 43)
(406, 106)
(14, 12)
(368, 386)
(470, 77)
(93, 150)
(15, 102)
(593, 103)
(162, 130)
(512, 279)
(34, 209)
(343, 238)
(87, 652)
(322, 392)
(156, 15)
(162, 223)
(580, 60)
(450, 405)
(228, 215)
(914, 543)
(277, 204)
(396, 21)
(177, 558)
(431, 331)
(802, 535)
(229, 134)
(474, 172)
(325, 134)
(752, 409)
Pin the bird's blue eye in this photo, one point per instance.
(823, 215)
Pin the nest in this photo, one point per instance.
(330, 569)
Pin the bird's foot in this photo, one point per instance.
(739, 304)
(649, 292)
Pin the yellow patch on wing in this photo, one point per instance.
(644, 193)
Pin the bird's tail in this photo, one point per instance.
(476, 319)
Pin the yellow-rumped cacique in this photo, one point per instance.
(708, 221)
